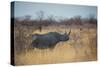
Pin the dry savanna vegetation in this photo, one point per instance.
(82, 45)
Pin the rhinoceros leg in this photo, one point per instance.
(51, 47)
(34, 45)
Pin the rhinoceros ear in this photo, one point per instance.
(34, 38)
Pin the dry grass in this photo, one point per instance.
(82, 46)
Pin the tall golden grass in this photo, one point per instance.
(82, 46)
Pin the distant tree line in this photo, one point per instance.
(51, 21)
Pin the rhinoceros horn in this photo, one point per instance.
(68, 32)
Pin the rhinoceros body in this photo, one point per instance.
(49, 40)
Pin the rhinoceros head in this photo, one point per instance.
(65, 36)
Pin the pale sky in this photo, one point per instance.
(59, 10)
